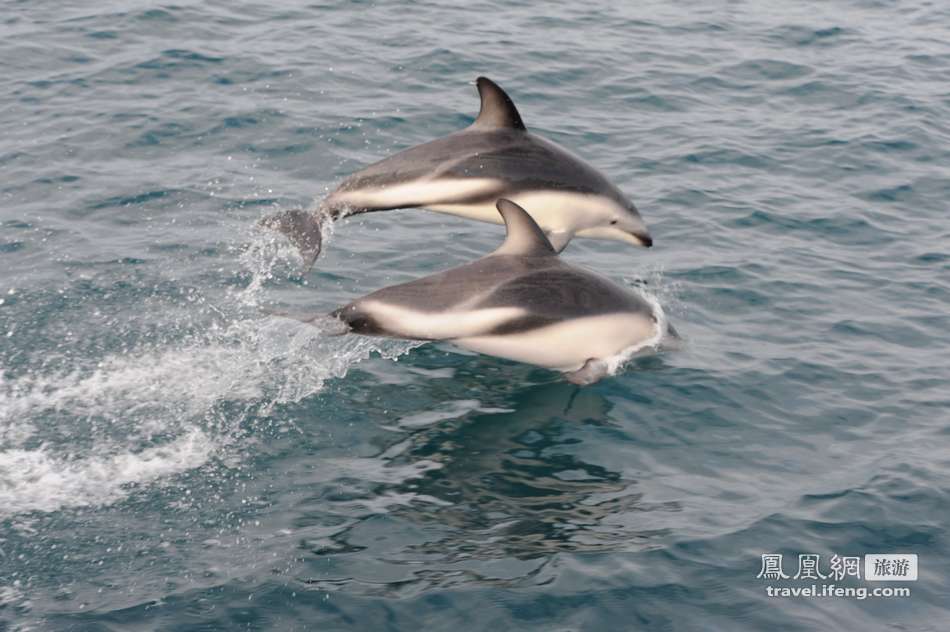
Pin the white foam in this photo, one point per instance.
(38, 480)
(653, 344)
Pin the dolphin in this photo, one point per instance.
(521, 302)
(466, 172)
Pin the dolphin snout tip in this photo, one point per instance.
(644, 238)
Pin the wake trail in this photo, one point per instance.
(93, 430)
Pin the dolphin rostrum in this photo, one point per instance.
(521, 302)
(466, 172)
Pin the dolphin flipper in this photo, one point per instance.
(304, 229)
(592, 371)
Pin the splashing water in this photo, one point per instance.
(143, 416)
(38, 480)
(267, 251)
(618, 362)
(663, 337)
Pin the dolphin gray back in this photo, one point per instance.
(519, 160)
(496, 145)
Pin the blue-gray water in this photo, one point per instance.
(174, 458)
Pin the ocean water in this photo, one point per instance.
(175, 457)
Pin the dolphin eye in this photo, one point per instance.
(612, 222)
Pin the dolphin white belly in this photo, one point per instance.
(554, 211)
(567, 346)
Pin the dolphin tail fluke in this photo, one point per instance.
(303, 228)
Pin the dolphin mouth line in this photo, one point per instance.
(637, 237)
(645, 240)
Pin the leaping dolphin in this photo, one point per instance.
(466, 172)
(521, 302)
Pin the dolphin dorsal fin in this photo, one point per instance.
(498, 110)
(525, 238)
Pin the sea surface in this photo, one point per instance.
(175, 456)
